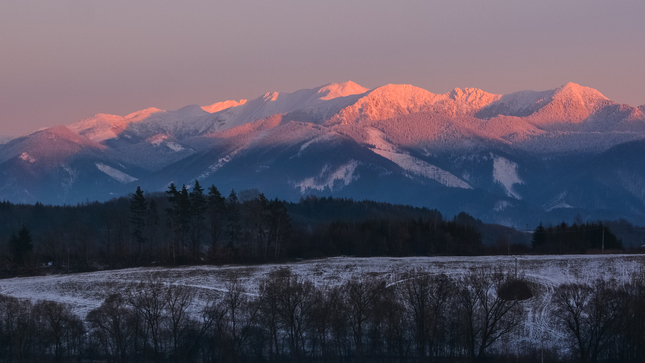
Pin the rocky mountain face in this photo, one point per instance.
(515, 159)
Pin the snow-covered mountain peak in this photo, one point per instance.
(142, 114)
(386, 102)
(99, 127)
(402, 91)
(54, 143)
(270, 96)
(473, 97)
(335, 90)
(190, 111)
(219, 106)
(102, 126)
(589, 97)
(520, 104)
(582, 90)
(570, 104)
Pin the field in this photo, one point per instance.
(86, 291)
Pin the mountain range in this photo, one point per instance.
(513, 159)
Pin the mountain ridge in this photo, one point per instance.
(506, 158)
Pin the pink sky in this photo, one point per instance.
(64, 60)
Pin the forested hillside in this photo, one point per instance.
(191, 225)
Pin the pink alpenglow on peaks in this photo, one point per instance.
(219, 106)
(101, 127)
(271, 96)
(473, 97)
(335, 90)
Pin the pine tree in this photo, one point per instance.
(152, 224)
(539, 237)
(138, 211)
(233, 214)
(21, 245)
(279, 228)
(183, 204)
(173, 219)
(216, 213)
(198, 208)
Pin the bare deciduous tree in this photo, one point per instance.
(115, 323)
(426, 297)
(485, 316)
(148, 300)
(590, 315)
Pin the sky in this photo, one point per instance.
(65, 60)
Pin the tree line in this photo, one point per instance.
(284, 317)
(576, 238)
(193, 225)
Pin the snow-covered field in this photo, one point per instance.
(85, 291)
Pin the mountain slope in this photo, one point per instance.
(59, 166)
(512, 159)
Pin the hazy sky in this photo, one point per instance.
(64, 60)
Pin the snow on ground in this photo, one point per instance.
(116, 174)
(557, 203)
(220, 162)
(327, 178)
(174, 146)
(85, 291)
(219, 106)
(157, 139)
(412, 164)
(324, 137)
(502, 205)
(26, 157)
(420, 167)
(505, 173)
(559, 206)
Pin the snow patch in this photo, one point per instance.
(327, 178)
(86, 291)
(174, 146)
(325, 137)
(69, 181)
(505, 173)
(561, 205)
(219, 106)
(412, 164)
(336, 90)
(220, 162)
(502, 205)
(116, 174)
(26, 157)
(558, 203)
(157, 139)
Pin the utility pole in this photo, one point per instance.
(515, 267)
(603, 239)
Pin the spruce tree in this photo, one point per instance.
(152, 224)
(21, 245)
(234, 216)
(216, 213)
(183, 205)
(173, 219)
(279, 228)
(539, 237)
(138, 211)
(198, 208)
